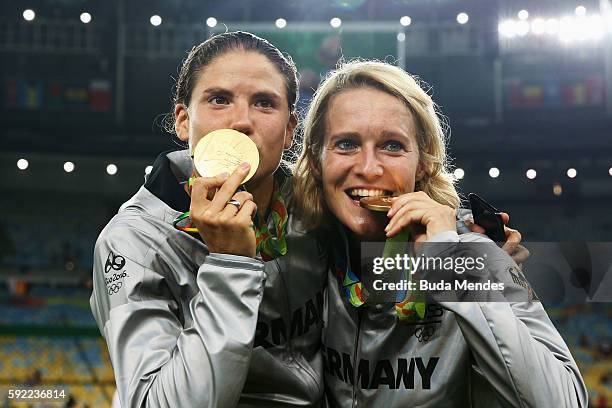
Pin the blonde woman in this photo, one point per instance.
(372, 130)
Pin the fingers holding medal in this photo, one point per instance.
(222, 211)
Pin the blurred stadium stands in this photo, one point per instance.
(48, 340)
(586, 329)
(93, 94)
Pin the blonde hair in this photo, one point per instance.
(437, 182)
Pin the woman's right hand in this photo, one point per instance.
(224, 227)
(423, 215)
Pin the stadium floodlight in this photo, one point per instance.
(552, 26)
(523, 14)
(148, 169)
(459, 173)
(22, 164)
(610, 171)
(29, 15)
(401, 37)
(211, 22)
(531, 174)
(567, 29)
(571, 172)
(580, 10)
(405, 21)
(335, 22)
(69, 167)
(494, 172)
(507, 28)
(155, 20)
(462, 18)
(522, 28)
(538, 26)
(581, 28)
(595, 27)
(280, 23)
(111, 169)
(85, 18)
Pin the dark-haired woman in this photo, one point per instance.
(199, 319)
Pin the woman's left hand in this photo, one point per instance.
(424, 216)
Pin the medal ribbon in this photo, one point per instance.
(410, 305)
(269, 245)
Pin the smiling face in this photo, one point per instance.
(243, 91)
(369, 148)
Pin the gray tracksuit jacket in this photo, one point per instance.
(189, 328)
(478, 354)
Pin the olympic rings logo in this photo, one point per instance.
(114, 288)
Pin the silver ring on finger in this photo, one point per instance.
(235, 203)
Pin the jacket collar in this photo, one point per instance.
(170, 169)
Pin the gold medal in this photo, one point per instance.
(380, 203)
(223, 151)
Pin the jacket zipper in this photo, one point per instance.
(287, 310)
(355, 356)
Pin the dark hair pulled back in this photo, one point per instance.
(203, 54)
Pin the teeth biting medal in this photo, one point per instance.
(377, 203)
